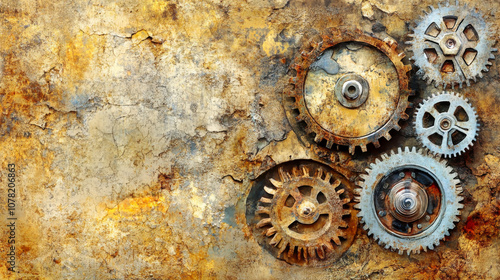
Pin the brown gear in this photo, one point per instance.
(304, 217)
(301, 119)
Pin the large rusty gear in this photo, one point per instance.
(452, 45)
(348, 89)
(409, 200)
(305, 214)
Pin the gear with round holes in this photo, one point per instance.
(347, 88)
(446, 124)
(452, 45)
(409, 200)
(306, 215)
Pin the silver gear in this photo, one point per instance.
(445, 214)
(447, 124)
(452, 45)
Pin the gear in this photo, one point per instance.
(347, 89)
(446, 124)
(452, 45)
(409, 200)
(306, 216)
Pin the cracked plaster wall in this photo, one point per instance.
(138, 126)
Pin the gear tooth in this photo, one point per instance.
(494, 49)
(376, 143)
(352, 148)
(318, 138)
(365, 177)
(407, 150)
(363, 148)
(408, 43)
(358, 206)
(393, 153)
(387, 136)
(366, 227)
(460, 85)
(399, 150)
(329, 144)
(404, 116)
(467, 81)
(408, 252)
(400, 251)
(397, 127)
(492, 56)
(413, 149)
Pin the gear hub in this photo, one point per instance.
(446, 124)
(305, 215)
(452, 45)
(347, 89)
(409, 200)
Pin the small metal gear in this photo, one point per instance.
(452, 45)
(446, 124)
(347, 88)
(304, 216)
(409, 200)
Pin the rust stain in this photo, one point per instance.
(483, 225)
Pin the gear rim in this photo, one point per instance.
(468, 70)
(449, 185)
(456, 100)
(294, 91)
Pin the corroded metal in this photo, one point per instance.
(452, 45)
(306, 215)
(446, 124)
(368, 107)
(409, 201)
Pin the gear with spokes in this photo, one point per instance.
(409, 200)
(446, 124)
(452, 45)
(306, 215)
(347, 88)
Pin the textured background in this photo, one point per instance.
(138, 126)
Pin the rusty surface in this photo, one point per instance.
(138, 126)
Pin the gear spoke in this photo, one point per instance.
(296, 194)
(434, 40)
(434, 113)
(430, 131)
(465, 126)
(446, 140)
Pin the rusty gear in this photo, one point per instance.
(452, 45)
(302, 214)
(409, 201)
(446, 124)
(347, 89)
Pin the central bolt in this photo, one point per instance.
(352, 89)
(407, 203)
(306, 208)
(450, 43)
(445, 124)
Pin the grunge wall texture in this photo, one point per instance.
(137, 128)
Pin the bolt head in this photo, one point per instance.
(450, 44)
